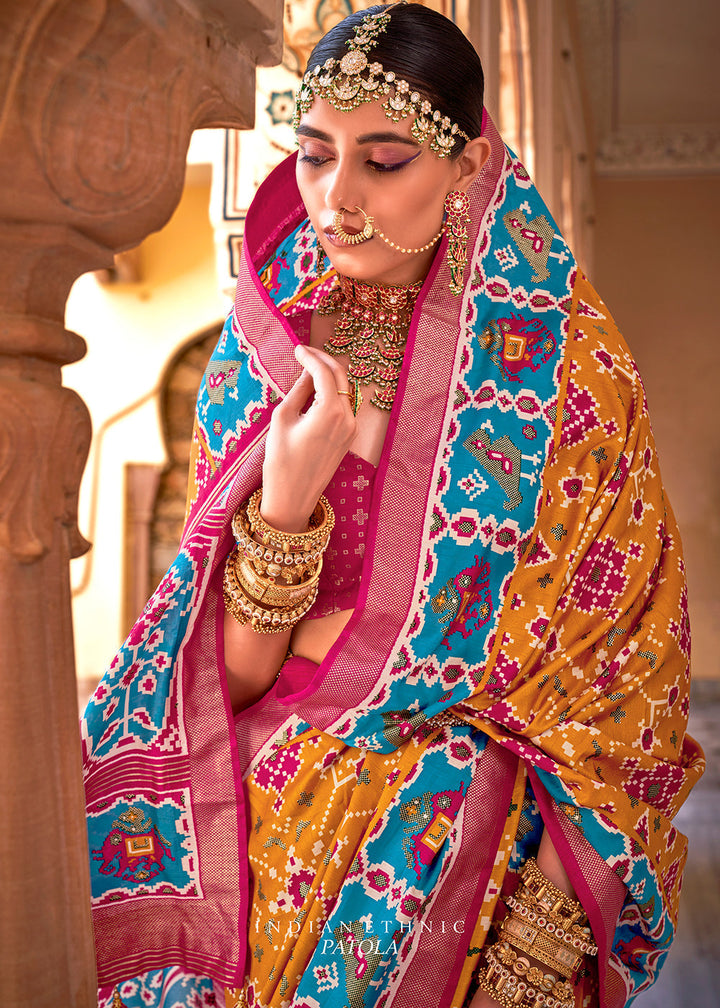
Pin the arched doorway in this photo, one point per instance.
(155, 496)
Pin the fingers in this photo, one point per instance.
(328, 374)
(294, 401)
(324, 376)
(304, 446)
(324, 381)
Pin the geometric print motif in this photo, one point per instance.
(620, 764)
(498, 425)
(368, 902)
(168, 987)
(498, 429)
(496, 633)
(133, 701)
(504, 427)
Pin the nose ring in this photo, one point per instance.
(352, 239)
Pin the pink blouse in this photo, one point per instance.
(350, 496)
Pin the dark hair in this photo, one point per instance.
(428, 51)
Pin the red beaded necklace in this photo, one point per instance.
(372, 330)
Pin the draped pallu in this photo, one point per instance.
(518, 658)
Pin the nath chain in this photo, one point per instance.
(370, 228)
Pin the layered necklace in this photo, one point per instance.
(371, 330)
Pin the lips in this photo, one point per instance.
(348, 230)
(351, 236)
(338, 243)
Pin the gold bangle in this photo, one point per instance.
(275, 561)
(245, 609)
(507, 956)
(245, 597)
(268, 621)
(551, 899)
(322, 522)
(268, 592)
(576, 937)
(535, 941)
(541, 904)
(516, 990)
(530, 979)
(290, 575)
(511, 992)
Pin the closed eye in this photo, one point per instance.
(391, 166)
(315, 160)
(318, 160)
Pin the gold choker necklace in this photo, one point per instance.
(372, 330)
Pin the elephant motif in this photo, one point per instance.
(134, 849)
(516, 343)
(463, 599)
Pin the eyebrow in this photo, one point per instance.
(366, 138)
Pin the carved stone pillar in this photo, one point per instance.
(98, 99)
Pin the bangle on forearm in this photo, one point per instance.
(544, 907)
(517, 983)
(322, 522)
(273, 563)
(537, 944)
(273, 583)
(245, 609)
(547, 925)
(268, 592)
(540, 891)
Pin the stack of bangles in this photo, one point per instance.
(553, 930)
(271, 577)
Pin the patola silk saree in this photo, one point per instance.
(518, 660)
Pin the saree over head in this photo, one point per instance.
(517, 659)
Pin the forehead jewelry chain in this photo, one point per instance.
(356, 78)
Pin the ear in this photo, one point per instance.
(471, 161)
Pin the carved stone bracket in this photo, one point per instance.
(99, 109)
(39, 422)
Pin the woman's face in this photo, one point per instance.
(361, 158)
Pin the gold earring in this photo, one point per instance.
(457, 205)
(321, 257)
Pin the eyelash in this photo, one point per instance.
(317, 161)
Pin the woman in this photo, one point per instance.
(405, 721)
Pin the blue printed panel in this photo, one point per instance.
(488, 483)
(383, 901)
(141, 844)
(135, 705)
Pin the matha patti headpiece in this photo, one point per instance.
(352, 80)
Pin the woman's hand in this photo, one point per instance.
(303, 449)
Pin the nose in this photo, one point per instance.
(343, 190)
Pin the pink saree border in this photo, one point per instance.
(598, 888)
(433, 971)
